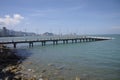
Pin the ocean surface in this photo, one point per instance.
(99, 60)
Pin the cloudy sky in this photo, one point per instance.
(61, 16)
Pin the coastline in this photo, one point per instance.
(11, 67)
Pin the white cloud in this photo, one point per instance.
(8, 20)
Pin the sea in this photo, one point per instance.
(97, 60)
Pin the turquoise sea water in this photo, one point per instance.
(98, 60)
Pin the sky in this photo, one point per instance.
(61, 16)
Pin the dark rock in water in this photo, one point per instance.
(51, 64)
(44, 70)
(60, 67)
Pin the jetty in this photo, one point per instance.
(55, 40)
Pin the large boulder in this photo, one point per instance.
(7, 53)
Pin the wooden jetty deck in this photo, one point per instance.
(56, 40)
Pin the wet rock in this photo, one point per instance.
(21, 67)
(29, 63)
(17, 77)
(77, 78)
(41, 76)
(34, 76)
(85, 75)
(60, 68)
(31, 70)
(41, 79)
(46, 79)
(56, 73)
(44, 70)
(61, 78)
(14, 70)
(69, 69)
(7, 78)
(50, 64)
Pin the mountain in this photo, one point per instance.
(48, 34)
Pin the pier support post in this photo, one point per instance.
(80, 40)
(53, 42)
(14, 44)
(93, 39)
(63, 41)
(30, 44)
(90, 39)
(84, 40)
(72, 41)
(87, 40)
(66, 41)
(56, 42)
(75, 40)
(43, 43)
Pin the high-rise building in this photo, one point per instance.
(4, 32)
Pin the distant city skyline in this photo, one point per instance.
(61, 16)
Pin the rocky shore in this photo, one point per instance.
(11, 68)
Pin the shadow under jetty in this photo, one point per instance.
(10, 64)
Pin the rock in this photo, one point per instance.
(6, 78)
(50, 64)
(13, 67)
(21, 67)
(85, 75)
(77, 78)
(17, 77)
(69, 69)
(41, 76)
(56, 73)
(28, 62)
(46, 79)
(14, 70)
(41, 79)
(61, 78)
(31, 70)
(34, 76)
(44, 70)
(60, 68)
